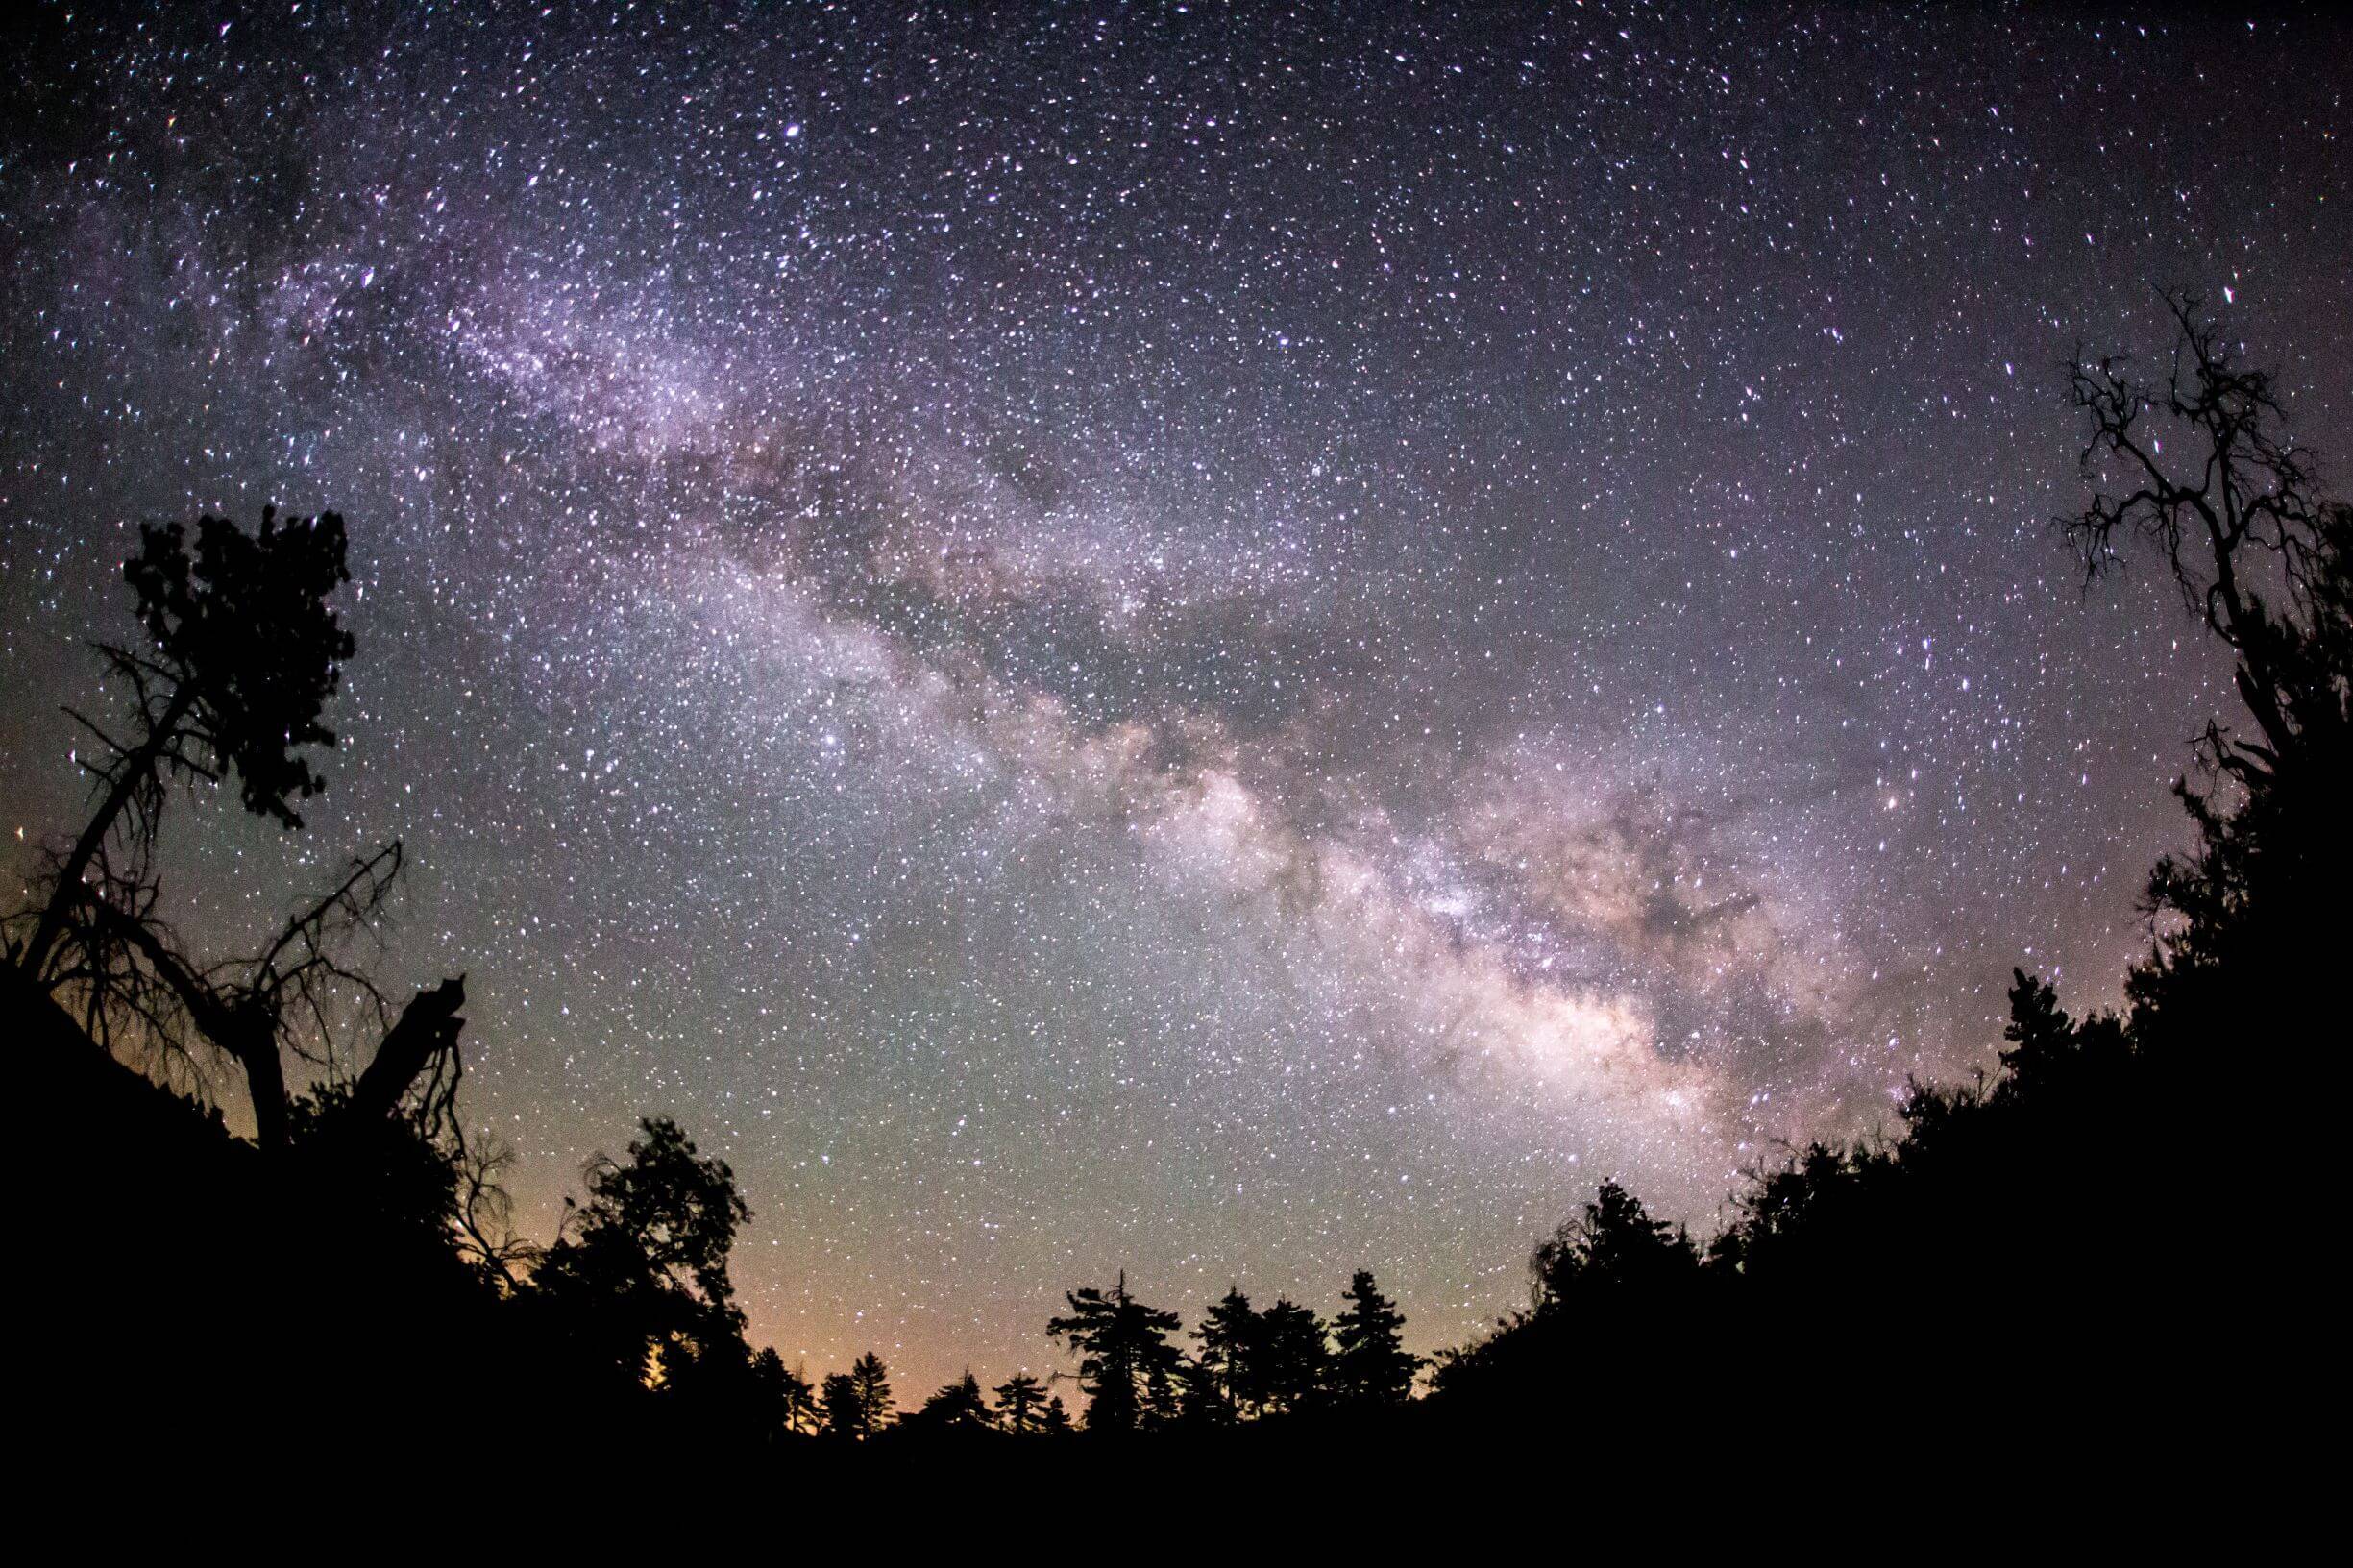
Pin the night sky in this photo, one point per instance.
(1231, 641)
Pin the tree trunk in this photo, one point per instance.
(427, 1026)
(141, 764)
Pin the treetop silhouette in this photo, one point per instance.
(1126, 1363)
(242, 655)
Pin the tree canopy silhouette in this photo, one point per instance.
(1126, 1363)
(1022, 1404)
(858, 1403)
(242, 655)
(1371, 1364)
(1220, 1385)
(638, 1281)
(956, 1408)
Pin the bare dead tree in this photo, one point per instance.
(486, 1235)
(2198, 469)
(303, 997)
(2234, 507)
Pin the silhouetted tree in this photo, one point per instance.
(1220, 1386)
(2049, 1055)
(1292, 1360)
(1021, 1405)
(845, 1412)
(385, 1227)
(1126, 1365)
(870, 1386)
(2039, 1030)
(2199, 468)
(241, 655)
(780, 1396)
(2236, 498)
(639, 1281)
(1614, 1241)
(957, 1407)
(1371, 1364)
(797, 1396)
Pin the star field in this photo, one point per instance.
(1232, 642)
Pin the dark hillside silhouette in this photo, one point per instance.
(2235, 512)
(2043, 1227)
(353, 1199)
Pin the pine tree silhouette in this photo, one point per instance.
(1126, 1365)
(1371, 1364)
(1021, 1405)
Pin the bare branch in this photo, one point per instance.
(2240, 493)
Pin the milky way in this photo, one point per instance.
(1231, 643)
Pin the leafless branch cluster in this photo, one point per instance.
(2236, 510)
(302, 997)
(486, 1232)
